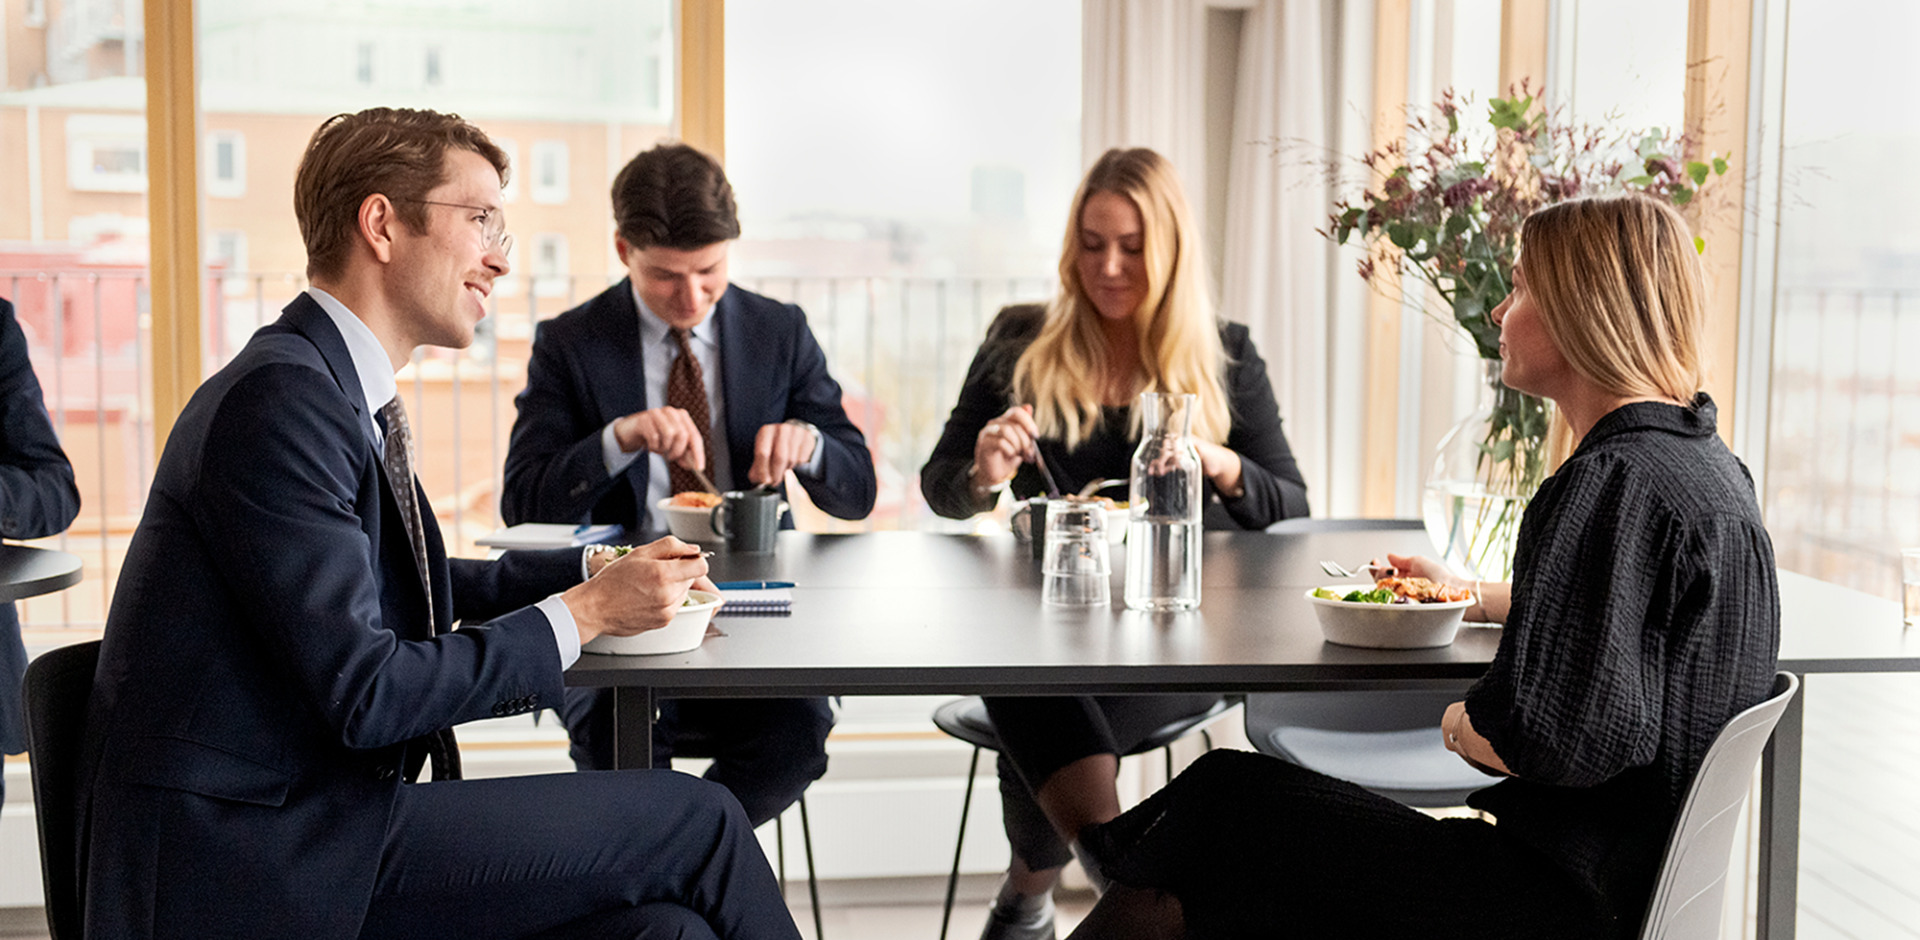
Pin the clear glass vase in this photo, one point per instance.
(1164, 492)
(1486, 469)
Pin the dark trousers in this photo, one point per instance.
(13, 668)
(765, 750)
(1254, 847)
(1040, 735)
(627, 854)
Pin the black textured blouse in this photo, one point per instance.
(1646, 613)
(1270, 479)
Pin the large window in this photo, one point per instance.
(1842, 470)
(903, 169)
(73, 260)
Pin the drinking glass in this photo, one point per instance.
(1074, 570)
(1910, 584)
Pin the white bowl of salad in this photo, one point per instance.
(684, 632)
(1395, 614)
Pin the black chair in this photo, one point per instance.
(966, 719)
(1387, 741)
(56, 691)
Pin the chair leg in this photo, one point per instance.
(1168, 753)
(1206, 740)
(813, 882)
(953, 877)
(780, 850)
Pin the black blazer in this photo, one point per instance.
(1271, 479)
(37, 499)
(269, 674)
(585, 371)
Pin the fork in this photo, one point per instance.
(1360, 571)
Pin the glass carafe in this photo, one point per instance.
(1164, 504)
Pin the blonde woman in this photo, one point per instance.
(1643, 614)
(1060, 381)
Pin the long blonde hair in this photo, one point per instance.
(1063, 374)
(1621, 293)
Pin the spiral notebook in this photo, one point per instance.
(755, 602)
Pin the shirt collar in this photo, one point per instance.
(370, 360)
(1698, 419)
(654, 330)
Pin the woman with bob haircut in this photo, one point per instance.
(1060, 382)
(1643, 614)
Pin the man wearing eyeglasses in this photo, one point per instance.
(675, 369)
(281, 659)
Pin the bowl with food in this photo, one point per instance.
(1395, 613)
(689, 516)
(684, 632)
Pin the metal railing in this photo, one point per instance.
(1843, 442)
(899, 347)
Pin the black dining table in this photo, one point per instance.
(918, 613)
(26, 571)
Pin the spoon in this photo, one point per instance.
(705, 481)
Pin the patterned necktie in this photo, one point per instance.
(398, 462)
(687, 391)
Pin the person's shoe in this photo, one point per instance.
(1017, 917)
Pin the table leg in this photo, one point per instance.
(1779, 901)
(632, 727)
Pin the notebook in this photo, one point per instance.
(755, 602)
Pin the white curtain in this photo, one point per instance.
(1276, 264)
(1144, 85)
(1144, 82)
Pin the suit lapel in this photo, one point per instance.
(305, 317)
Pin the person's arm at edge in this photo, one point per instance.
(38, 496)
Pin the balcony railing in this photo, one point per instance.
(1843, 443)
(899, 348)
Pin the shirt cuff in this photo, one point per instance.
(566, 633)
(811, 467)
(611, 456)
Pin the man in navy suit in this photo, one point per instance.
(37, 499)
(597, 438)
(281, 659)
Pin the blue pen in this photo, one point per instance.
(751, 585)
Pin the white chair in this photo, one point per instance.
(1387, 741)
(1693, 874)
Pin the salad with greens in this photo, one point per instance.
(1378, 595)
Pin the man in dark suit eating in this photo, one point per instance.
(670, 369)
(281, 654)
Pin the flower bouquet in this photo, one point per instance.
(1447, 207)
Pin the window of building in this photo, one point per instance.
(433, 66)
(363, 64)
(550, 265)
(549, 182)
(515, 169)
(226, 164)
(107, 153)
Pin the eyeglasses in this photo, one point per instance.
(493, 223)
